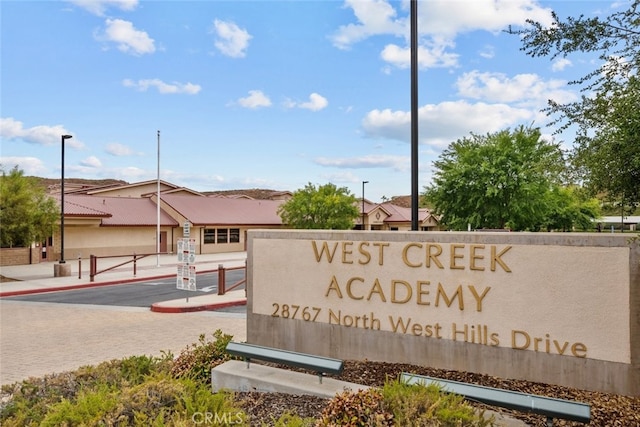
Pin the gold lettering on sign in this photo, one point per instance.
(408, 292)
(496, 259)
(417, 255)
(521, 340)
(455, 255)
(363, 249)
(433, 255)
(403, 292)
(364, 321)
(324, 250)
(346, 252)
(458, 293)
(333, 286)
(473, 257)
(347, 255)
(349, 283)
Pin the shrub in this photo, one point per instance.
(87, 409)
(428, 405)
(196, 361)
(31, 401)
(291, 420)
(361, 408)
(400, 404)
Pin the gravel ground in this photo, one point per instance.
(607, 410)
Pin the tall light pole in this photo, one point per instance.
(62, 261)
(363, 183)
(414, 115)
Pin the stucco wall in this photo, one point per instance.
(108, 241)
(550, 307)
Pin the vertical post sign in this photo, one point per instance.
(186, 277)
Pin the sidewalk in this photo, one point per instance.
(42, 338)
(38, 278)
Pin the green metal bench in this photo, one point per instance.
(319, 364)
(549, 407)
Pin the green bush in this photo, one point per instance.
(158, 391)
(197, 360)
(291, 420)
(399, 404)
(31, 401)
(87, 409)
(427, 405)
(160, 400)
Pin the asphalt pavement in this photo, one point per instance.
(39, 338)
(37, 278)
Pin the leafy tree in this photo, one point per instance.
(496, 181)
(325, 207)
(571, 208)
(608, 113)
(610, 154)
(27, 214)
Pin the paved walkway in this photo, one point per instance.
(41, 338)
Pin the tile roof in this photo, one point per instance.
(116, 211)
(401, 214)
(225, 211)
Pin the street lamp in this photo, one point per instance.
(62, 203)
(363, 183)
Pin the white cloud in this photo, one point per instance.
(31, 166)
(12, 129)
(522, 89)
(399, 163)
(451, 18)
(162, 87)
(98, 7)
(119, 150)
(256, 99)
(431, 56)
(127, 37)
(316, 102)
(231, 39)
(487, 52)
(91, 162)
(443, 123)
(341, 177)
(374, 17)
(439, 23)
(560, 64)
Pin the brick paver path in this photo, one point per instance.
(41, 338)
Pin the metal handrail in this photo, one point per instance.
(93, 263)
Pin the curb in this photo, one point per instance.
(155, 307)
(158, 308)
(83, 286)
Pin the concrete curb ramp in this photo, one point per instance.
(234, 375)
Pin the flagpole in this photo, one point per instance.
(158, 209)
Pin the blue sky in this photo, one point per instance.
(267, 94)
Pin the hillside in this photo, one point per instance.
(53, 183)
(254, 193)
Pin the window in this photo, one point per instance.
(222, 235)
(209, 235)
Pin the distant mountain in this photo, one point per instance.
(254, 193)
(55, 182)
